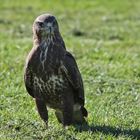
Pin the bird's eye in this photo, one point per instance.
(40, 24)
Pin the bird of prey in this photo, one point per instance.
(52, 76)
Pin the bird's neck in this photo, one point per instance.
(46, 42)
(49, 40)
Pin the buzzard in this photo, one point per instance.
(52, 76)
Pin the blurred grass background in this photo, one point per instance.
(104, 38)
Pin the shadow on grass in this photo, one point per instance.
(135, 133)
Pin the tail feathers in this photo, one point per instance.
(84, 111)
(78, 115)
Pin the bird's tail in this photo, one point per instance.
(79, 115)
(84, 111)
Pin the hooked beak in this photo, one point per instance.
(49, 29)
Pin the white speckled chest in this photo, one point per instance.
(52, 89)
(52, 85)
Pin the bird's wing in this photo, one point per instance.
(74, 77)
(28, 79)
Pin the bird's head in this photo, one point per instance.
(45, 25)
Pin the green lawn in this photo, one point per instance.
(104, 37)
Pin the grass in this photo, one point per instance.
(104, 38)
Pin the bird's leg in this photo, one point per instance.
(42, 110)
(67, 110)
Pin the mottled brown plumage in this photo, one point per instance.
(52, 76)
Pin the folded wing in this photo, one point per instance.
(74, 77)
